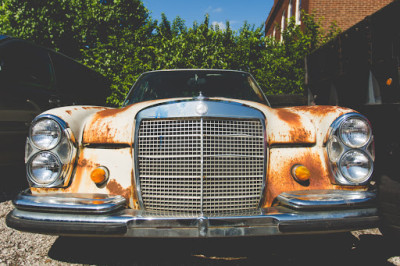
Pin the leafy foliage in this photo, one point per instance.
(119, 39)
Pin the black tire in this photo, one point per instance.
(389, 206)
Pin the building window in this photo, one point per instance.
(290, 9)
(283, 24)
(298, 12)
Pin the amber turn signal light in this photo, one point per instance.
(99, 175)
(389, 81)
(300, 173)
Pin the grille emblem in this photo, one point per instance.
(201, 108)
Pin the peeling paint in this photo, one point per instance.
(322, 110)
(291, 118)
(109, 113)
(287, 126)
(135, 198)
(116, 189)
(115, 126)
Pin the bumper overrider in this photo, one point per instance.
(314, 211)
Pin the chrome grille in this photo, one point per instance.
(200, 165)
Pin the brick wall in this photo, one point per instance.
(346, 13)
(279, 6)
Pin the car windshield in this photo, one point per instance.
(176, 84)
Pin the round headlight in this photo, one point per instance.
(44, 168)
(356, 166)
(335, 149)
(355, 132)
(46, 134)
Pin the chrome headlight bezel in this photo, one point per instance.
(65, 151)
(51, 143)
(33, 179)
(347, 140)
(337, 147)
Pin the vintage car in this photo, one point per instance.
(197, 153)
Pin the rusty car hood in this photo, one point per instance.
(291, 125)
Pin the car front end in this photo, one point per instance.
(197, 167)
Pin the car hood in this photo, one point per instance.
(292, 125)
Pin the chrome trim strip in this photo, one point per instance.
(136, 162)
(205, 135)
(199, 156)
(138, 223)
(180, 109)
(220, 176)
(201, 165)
(45, 217)
(69, 202)
(166, 156)
(326, 199)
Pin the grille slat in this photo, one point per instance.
(171, 164)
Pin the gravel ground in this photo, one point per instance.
(367, 247)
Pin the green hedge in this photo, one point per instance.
(120, 40)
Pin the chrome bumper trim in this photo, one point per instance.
(324, 199)
(139, 223)
(69, 202)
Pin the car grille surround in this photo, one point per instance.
(200, 165)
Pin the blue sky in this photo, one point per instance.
(236, 11)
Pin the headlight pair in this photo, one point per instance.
(50, 152)
(350, 149)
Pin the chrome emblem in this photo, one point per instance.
(201, 108)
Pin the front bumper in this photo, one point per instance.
(320, 211)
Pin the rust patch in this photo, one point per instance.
(116, 189)
(84, 166)
(109, 112)
(105, 129)
(100, 134)
(295, 136)
(299, 135)
(134, 195)
(83, 162)
(45, 190)
(68, 112)
(321, 110)
(92, 108)
(87, 163)
(291, 118)
(76, 179)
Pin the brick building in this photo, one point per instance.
(344, 12)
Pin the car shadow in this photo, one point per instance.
(13, 180)
(333, 249)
